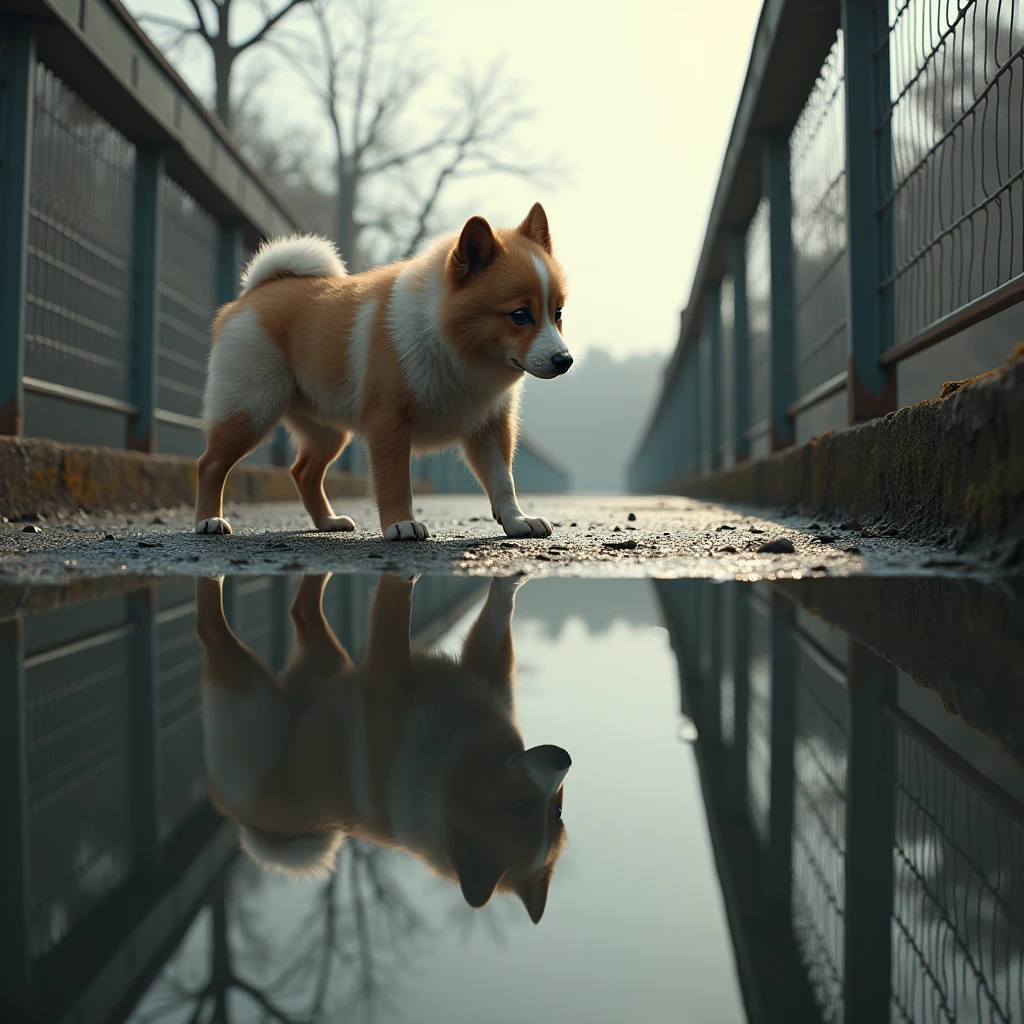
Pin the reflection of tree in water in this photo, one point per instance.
(344, 956)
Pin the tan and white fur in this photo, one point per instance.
(406, 749)
(415, 356)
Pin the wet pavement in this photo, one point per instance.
(593, 536)
(567, 799)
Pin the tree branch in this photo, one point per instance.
(200, 23)
(267, 26)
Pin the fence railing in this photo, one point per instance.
(126, 213)
(871, 845)
(870, 206)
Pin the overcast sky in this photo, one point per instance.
(636, 99)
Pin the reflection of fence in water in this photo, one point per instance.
(85, 669)
(958, 901)
(955, 841)
(819, 827)
(759, 757)
(77, 751)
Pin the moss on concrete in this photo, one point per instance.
(951, 465)
(47, 478)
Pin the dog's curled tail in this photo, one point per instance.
(292, 256)
(310, 856)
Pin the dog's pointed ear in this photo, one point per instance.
(535, 227)
(478, 874)
(534, 894)
(476, 248)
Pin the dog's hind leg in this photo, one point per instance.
(227, 443)
(318, 446)
(248, 385)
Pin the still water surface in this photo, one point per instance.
(716, 804)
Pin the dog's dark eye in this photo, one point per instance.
(558, 313)
(558, 812)
(522, 808)
(521, 316)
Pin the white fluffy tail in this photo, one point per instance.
(297, 856)
(295, 255)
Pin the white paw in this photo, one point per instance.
(409, 530)
(525, 526)
(214, 525)
(334, 524)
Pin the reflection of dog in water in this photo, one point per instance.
(406, 749)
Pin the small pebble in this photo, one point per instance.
(727, 549)
(851, 550)
(850, 524)
(156, 521)
(631, 517)
(779, 546)
(618, 529)
(725, 526)
(31, 529)
(814, 526)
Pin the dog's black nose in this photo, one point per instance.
(561, 361)
(560, 759)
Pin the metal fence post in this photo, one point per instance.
(697, 402)
(870, 837)
(712, 683)
(740, 344)
(145, 734)
(717, 385)
(870, 386)
(777, 187)
(147, 245)
(17, 114)
(778, 877)
(279, 621)
(15, 860)
(229, 260)
(736, 784)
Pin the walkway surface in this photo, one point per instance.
(594, 537)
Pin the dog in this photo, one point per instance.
(415, 356)
(406, 749)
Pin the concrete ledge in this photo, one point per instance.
(953, 465)
(47, 478)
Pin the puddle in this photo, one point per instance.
(595, 801)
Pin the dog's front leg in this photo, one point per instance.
(390, 449)
(489, 453)
(388, 643)
(488, 649)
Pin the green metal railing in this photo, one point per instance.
(870, 206)
(126, 214)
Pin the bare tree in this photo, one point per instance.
(215, 33)
(365, 75)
